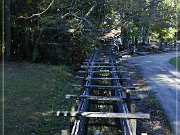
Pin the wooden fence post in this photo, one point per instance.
(133, 121)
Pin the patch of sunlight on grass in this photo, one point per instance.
(33, 92)
(48, 113)
(176, 62)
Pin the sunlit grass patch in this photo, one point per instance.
(33, 94)
(176, 62)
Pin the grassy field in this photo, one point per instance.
(176, 62)
(33, 93)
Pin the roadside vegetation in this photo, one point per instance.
(33, 93)
(176, 62)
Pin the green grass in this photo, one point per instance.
(176, 62)
(33, 93)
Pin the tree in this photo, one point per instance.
(68, 26)
(7, 29)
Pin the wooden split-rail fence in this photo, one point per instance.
(104, 105)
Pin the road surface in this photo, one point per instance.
(164, 80)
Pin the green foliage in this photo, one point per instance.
(176, 62)
(64, 23)
(67, 21)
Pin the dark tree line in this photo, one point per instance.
(64, 31)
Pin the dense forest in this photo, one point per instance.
(64, 31)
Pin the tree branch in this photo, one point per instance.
(38, 14)
(91, 9)
(80, 18)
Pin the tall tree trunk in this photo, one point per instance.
(146, 36)
(26, 44)
(152, 10)
(36, 52)
(26, 49)
(125, 38)
(7, 29)
(136, 41)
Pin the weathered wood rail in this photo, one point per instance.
(105, 104)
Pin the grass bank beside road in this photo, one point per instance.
(33, 93)
(176, 62)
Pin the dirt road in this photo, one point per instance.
(164, 80)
